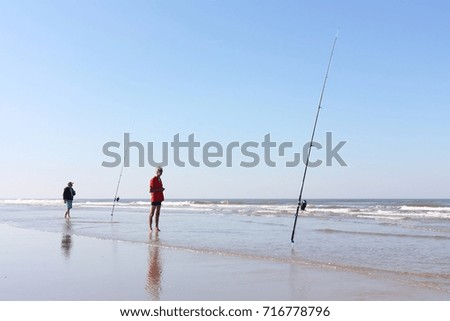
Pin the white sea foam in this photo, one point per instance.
(368, 209)
(424, 208)
(32, 202)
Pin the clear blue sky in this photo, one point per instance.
(75, 75)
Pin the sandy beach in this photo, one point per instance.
(37, 265)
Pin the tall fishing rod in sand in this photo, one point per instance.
(117, 198)
(302, 203)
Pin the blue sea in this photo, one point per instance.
(406, 240)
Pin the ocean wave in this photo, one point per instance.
(427, 208)
(32, 202)
(382, 234)
(375, 209)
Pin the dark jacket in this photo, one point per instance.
(69, 193)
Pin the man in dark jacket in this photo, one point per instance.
(68, 195)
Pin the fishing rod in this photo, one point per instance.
(117, 198)
(301, 205)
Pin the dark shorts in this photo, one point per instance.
(156, 203)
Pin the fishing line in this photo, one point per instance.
(302, 203)
(117, 198)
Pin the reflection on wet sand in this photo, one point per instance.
(66, 241)
(154, 268)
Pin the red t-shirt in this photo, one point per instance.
(155, 183)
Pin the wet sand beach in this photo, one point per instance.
(37, 265)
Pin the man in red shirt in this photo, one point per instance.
(157, 196)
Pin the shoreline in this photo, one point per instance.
(45, 266)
